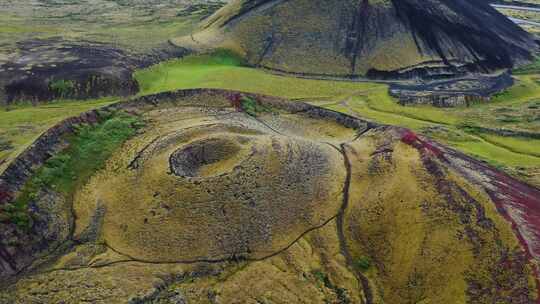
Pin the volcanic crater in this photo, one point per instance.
(207, 192)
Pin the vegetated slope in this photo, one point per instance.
(374, 38)
(220, 190)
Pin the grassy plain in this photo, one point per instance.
(225, 71)
(131, 24)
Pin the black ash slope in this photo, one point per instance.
(487, 35)
(392, 39)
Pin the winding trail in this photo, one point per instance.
(340, 218)
(341, 233)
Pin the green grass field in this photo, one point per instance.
(517, 109)
(225, 71)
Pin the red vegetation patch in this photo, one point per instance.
(5, 195)
(525, 199)
(517, 202)
(236, 101)
(524, 202)
(410, 138)
(433, 149)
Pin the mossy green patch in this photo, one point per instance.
(252, 107)
(323, 279)
(89, 148)
(21, 124)
(62, 87)
(363, 263)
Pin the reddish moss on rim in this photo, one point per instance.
(410, 138)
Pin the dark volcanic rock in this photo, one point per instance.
(47, 69)
(451, 93)
(391, 39)
(186, 162)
